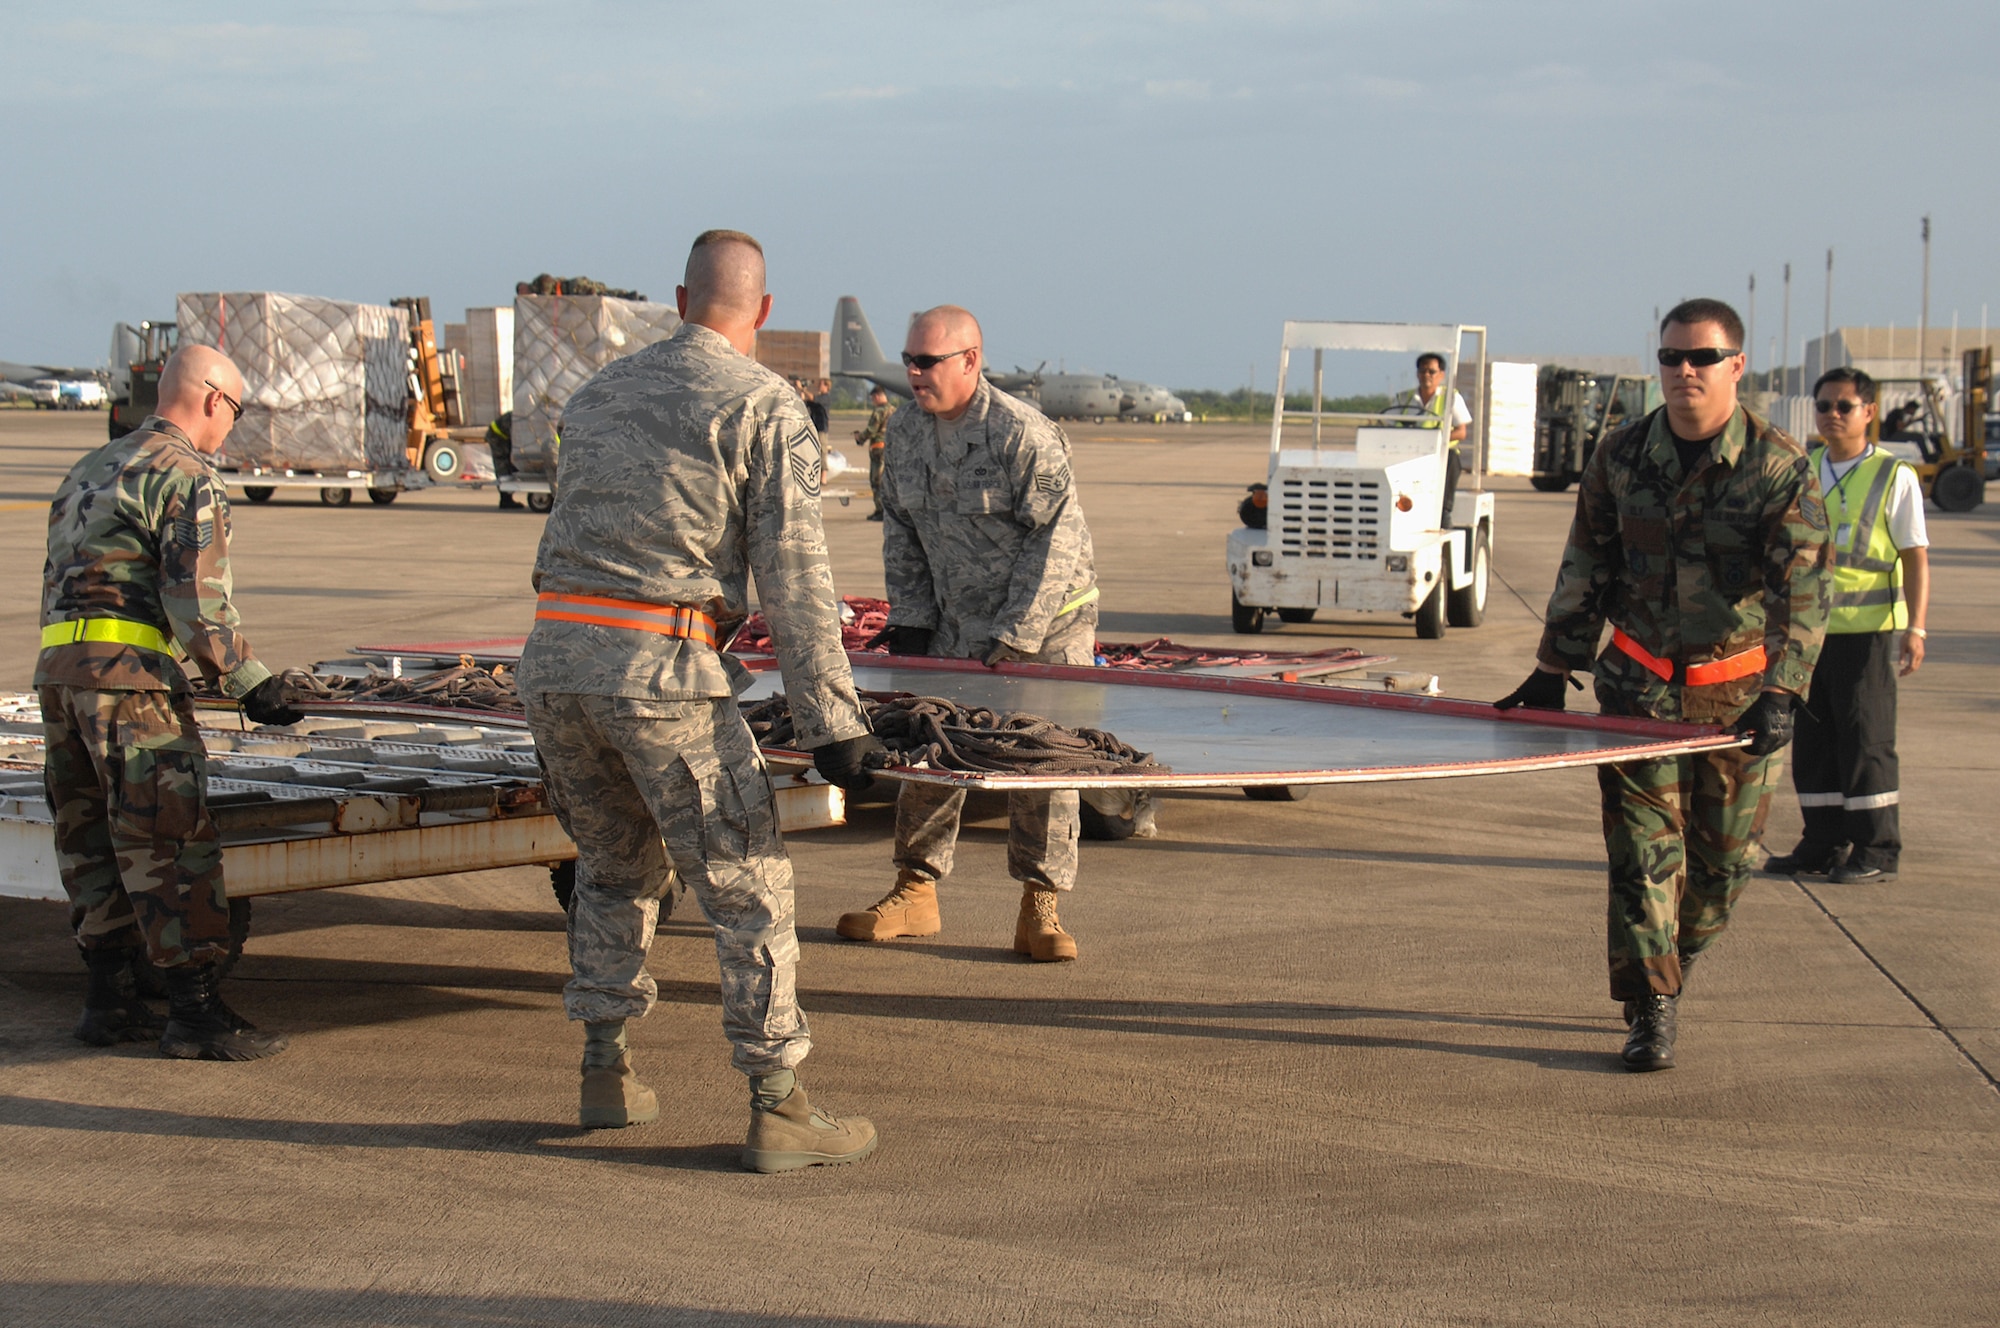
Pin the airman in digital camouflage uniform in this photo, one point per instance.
(1700, 537)
(874, 435)
(986, 556)
(687, 468)
(138, 571)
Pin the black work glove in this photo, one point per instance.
(1768, 721)
(1002, 653)
(270, 702)
(846, 763)
(902, 640)
(1542, 691)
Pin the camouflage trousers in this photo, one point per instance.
(139, 854)
(1679, 834)
(1041, 827)
(648, 789)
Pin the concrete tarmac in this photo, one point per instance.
(1346, 1061)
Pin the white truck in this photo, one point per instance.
(1354, 520)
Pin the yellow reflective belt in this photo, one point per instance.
(143, 635)
(1077, 603)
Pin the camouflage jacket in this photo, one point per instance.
(875, 433)
(982, 532)
(140, 531)
(1694, 568)
(686, 469)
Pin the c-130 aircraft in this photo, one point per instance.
(1061, 396)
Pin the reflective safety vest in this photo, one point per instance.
(1438, 407)
(1867, 573)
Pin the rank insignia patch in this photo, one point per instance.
(808, 457)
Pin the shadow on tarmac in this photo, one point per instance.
(527, 1137)
(198, 1306)
(1358, 855)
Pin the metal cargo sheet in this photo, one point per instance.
(1230, 732)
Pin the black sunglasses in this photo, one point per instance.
(1706, 357)
(932, 361)
(1841, 408)
(234, 404)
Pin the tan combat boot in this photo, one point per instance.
(911, 909)
(613, 1097)
(1039, 934)
(793, 1135)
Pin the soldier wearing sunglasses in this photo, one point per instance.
(138, 581)
(986, 556)
(1700, 539)
(1845, 769)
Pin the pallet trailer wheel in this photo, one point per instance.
(540, 502)
(336, 497)
(259, 493)
(382, 497)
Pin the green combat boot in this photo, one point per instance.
(201, 1027)
(787, 1132)
(612, 1096)
(112, 1009)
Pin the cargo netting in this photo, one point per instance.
(560, 342)
(326, 382)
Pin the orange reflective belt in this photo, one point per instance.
(1739, 665)
(666, 619)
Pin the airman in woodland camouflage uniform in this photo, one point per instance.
(986, 557)
(138, 571)
(1701, 539)
(874, 436)
(687, 468)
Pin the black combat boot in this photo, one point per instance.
(1687, 962)
(1650, 1046)
(112, 1010)
(508, 503)
(201, 1027)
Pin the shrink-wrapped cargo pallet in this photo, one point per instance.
(326, 382)
(560, 342)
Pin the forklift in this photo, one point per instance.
(137, 356)
(1574, 412)
(436, 419)
(1950, 462)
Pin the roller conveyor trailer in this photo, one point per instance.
(345, 799)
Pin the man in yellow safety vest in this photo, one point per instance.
(1845, 763)
(1431, 397)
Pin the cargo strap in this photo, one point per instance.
(122, 630)
(1077, 603)
(665, 619)
(1739, 665)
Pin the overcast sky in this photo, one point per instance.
(1144, 188)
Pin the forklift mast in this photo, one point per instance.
(436, 401)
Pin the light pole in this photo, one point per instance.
(1786, 341)
(1924, 315)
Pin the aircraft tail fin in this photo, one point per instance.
(856, 353)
